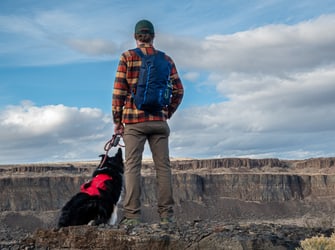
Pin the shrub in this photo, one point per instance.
(318, 243)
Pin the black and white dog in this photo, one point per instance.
(96, 203)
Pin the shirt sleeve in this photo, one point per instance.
(120, 90)
(177, 90)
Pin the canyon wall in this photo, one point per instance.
(229, 190)
(204, 184)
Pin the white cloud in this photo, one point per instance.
(54, 37)
(52, 133)
(92, 47)
(271, 49)
(265, 116)
(279, 82)
(191, 76)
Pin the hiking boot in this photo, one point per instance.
(166, 221)
(129, 222)
(168, 224)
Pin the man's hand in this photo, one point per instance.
(118, 129)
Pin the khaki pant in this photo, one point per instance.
(135, 135)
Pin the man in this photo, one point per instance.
(138, 126)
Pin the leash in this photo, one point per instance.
(113, 142)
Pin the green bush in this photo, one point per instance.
(318, 243)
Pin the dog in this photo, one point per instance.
(96, 203)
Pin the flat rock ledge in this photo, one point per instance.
(189, 235)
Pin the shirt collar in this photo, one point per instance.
(145, 45)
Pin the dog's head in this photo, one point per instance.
(111, 165)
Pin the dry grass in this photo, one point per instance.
(318, 243)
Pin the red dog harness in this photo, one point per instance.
(98, 182)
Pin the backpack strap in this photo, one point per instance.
(139, 52)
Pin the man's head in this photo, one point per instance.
(144, 31)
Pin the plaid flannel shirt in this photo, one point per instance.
(123, 107)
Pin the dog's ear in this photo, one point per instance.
(102, 158)
(118, 155)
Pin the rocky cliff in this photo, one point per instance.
(229, 191)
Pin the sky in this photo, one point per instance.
(259, 76)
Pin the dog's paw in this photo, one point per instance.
(92, 223)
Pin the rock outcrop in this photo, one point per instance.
(191, 236)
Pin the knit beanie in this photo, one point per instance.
(144, 25)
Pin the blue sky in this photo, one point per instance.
(259, 76)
